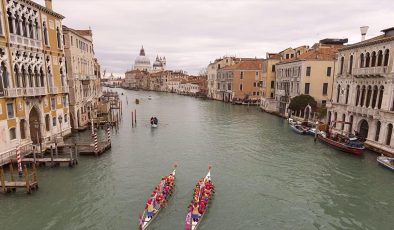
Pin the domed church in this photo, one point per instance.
(142, 63)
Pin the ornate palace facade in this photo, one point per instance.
(33, 87)
(364, 91)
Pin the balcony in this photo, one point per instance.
(65, 89)
(364, 111)
(87, 78)
(53, 90)
(20, 40)
(25, 92)
(370, 71)
(281, 92)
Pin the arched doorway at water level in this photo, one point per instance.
(363, 129)
(35, 125)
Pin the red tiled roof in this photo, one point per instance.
(254, 64)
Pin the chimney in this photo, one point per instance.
(48, 4)
(363, 30)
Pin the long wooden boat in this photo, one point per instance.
(144, 221)
(190, 224)
(352, 145)
(298, 129)
(387, 162)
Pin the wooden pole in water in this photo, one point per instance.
(34, 173)
(34, 156)
(56, 150)
(12, 172)
(26, 179)
(71, 156)
(2, 179)
(76, 152)
(51, 155)
(132, 120)
(135, 116)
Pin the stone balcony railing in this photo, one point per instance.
(25, 92)
(364, 111)
(53, 90)
(20, 40)
(370, 71)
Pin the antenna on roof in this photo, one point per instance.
(363, 30)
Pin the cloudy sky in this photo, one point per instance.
(191, 33)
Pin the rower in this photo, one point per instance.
(195, 213)
(149, 208)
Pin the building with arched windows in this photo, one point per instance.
(34, 108)
(364, 91)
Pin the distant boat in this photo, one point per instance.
(149, 98)
(345, 144)
(298, 129)
(387, 162)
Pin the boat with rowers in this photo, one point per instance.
(349, 143)
(159, 197)
(387, 162)
(203, 193)
(154, 122)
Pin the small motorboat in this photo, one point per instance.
(346, 144)
(144, 220)
(298, 129)
(190, 224)
(154, 122)
(311, 131)
(387, 162)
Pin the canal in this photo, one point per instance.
(266, 176)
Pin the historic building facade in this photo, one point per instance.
(217, 87)
(364, 91)
(310, 73)
(33, 88)
(83, 74)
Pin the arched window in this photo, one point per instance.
(31, 81)
(380, 58)
(45, 29)
(42, 78)
(350, 124)
(37, 35)
(4, 76)
(10, 22)
(386, 57)
(362, 60)
(343, 120)
(53, 121)
(47, 123)
(16, 70)
(369, 93)
(373, 62)
(58, 36)
(22, 128)
(351, 64)
(335, 119)
(338, 92)
(24, 80)
(357, 95)
(362, 95)
(342, 61)
(380, 97)
(389, 133)
(24, 27)
(378, 124)
(31, 31)
(374, 96)
(17, 25)
(367, 60)
(347, 93)
(36, 77)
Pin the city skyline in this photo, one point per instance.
(192, 33)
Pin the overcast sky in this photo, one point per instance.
(191, 33)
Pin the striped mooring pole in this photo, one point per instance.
(19, 160)
(108, 133)
(95, 143)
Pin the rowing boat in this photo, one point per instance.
(387, 162)
(190, 224)
(144, 220)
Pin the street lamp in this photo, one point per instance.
(60, 118)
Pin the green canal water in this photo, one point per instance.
(266, 176)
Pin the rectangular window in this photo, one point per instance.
(1, 27)
(12, 133)
(229, 86)
(308, 71)
(53, 103)
(10, 110)
(272, 84)
(287, 56)
(307, 88)
(240, 87)
(242, 75)
(323, 103)
(328, 71)
(71, 40)
(53, 121)
(292, 55)
(258, 93)
(218, 85)
(254, 84)
(254, 93)
(325, 87)
(273, 68)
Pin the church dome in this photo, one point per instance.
(142, 62)
(157, 63)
